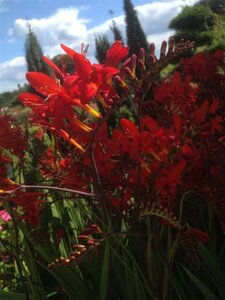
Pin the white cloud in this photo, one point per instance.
(12, 73)
(63, 26)
(67, 27)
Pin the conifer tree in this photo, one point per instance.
(102, 44)
(33, 54)
(116, 32)
(136, 38)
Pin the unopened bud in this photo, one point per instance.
(152, 49)
(163, 50)
(96, 228)
(90, 242)
(133, 62)
(130, 73)
(121, 82)
(78, 247)
(153, 59)
(171, 44)
(141, 55)
(141, 66)
(83, 237)
(76, 253)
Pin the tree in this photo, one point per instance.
(33, 54)
(136, 38)
(203, 23)
(116, 32)
(194, 23)
(35, 63)
(217, 6)
(64, 62)
(102, 44)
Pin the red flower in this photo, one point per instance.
(88, 79)
(198, 235)
(44, 84)
(11, 136)
(31, 203)
(115, 54)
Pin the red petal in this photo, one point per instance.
(43, 84)
(53, 66)
(177, 125)
(149, 123)
(199, 235)
(175, 173)
(214, 106)
(200, 113)
(87, 93)
(30, 99)
(82, 66)
(115, 54)
(68, 51)
(129, 127)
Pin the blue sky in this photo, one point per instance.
(71, 22)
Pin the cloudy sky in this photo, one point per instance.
(71, 22)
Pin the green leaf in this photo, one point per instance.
(13, 296)
(218, 277)
(206, 292)
(105, 272)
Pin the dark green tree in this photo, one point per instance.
(203, 23)
(33, 54)
(114, 28)
(136, 38)
(116, 32)
(217, 6)
(194, 23)
(102, 44)
(191, 18)
(63, 61)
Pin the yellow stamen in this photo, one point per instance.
(74, 143)
(90, 110)
(82, 125)
(101, 100)
(156, 156)
(66, 136)
(145, 166)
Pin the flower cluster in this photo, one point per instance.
(173, 146)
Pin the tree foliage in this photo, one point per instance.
(202, 23)
(136, 38)
(116, 32)
(64, 62)
(217, 6)
(197, 18)
(33, 54)
(102, 44)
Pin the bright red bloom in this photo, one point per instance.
(44, 84)
(88, 79)
(198, 235)
(115, 54)
(11, 136)
(31, 203)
